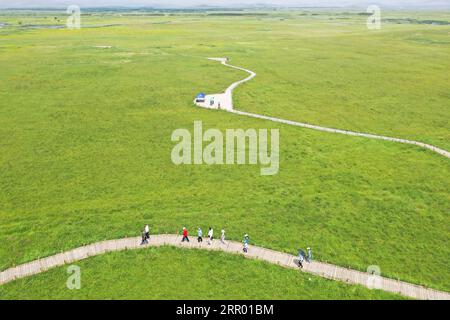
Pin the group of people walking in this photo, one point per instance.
(210, 236)
(200, 235)
(302, 256)
(146, 236)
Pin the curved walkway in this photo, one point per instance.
(282, 259)
(224, 101)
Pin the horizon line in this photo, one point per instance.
(227, 7)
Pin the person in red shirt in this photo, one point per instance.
(185, 235)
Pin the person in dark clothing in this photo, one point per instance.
(301, 258)
(147, 231)
(144, 238)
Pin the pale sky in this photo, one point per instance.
(228, 3)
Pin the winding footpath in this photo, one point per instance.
(224, 101)
(282, 259)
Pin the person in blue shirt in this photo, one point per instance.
(301, 258)
(246, 241)
(199, 235)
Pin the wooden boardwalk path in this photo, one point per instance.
(440, 151)
(282, 259)
(226, 102)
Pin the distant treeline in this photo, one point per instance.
(239, 14)
(334, 13)
(129, 9)
(416, 21)
(146, 14)
(148, 11)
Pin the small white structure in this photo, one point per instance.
(222, 101)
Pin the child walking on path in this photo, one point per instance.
(199, 235)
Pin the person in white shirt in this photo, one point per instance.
(210, 235)
(147, 232)
(222, 237)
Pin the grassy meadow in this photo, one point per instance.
(85, 141)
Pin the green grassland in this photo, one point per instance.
(85, 136)
(394, 81)
(170, 273)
